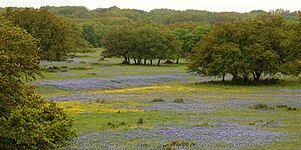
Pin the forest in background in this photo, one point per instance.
(96, 23)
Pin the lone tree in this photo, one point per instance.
(26, 120)
(142, 40)
(245, 48)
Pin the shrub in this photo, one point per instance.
(285, 106)
(42, 126)
(281, 106)
(116, 125)
(261, 107)
(178, 100)
(140, 121)
(269, 123)
(177, 143)
(64, 67)
(168, 62)
(158, 100)
(290, 108)
(81, 68)
(92, 74)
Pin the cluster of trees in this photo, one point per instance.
(141, 40)
(26, 120)
(57, 37)
(246, 48)
(149, 41)
(96, 23)
(83, 28)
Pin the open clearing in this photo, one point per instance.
(162, 107)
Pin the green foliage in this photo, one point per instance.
(176, 143)
(189, 38)
(69, 11)
(281, 106)
(41, 126)
(90, 35)
(158, 100)
(285, 106)
(141, 40)
(26, 120)
(116, 125)
(261, 107)
(57, 37)
(290, 108)
(140, 121)
(293, 48)
(178, 100)
(242, 48)
(269, 123)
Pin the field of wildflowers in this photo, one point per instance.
(164, 107)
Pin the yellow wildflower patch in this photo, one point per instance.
(76, 107)
(146, 89)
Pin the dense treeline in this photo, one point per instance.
(102, 20)
(94, 24)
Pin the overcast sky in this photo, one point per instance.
(210, 5)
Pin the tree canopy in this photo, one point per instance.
(244, 48)
(142, 40)
(56, 37)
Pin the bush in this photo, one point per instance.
(168, 62)
(261, 107)
(290, 108)
(158, 100)
(140, 121)
(176, 143)
(41, 126)
(178, 100)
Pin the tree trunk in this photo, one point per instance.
(144, 61)
(140, 61)
(159, 62)
(245, 78)
(223, 77)
(151, 62)
(125, 59)
(135, 61)
(177, 62)
(129, 60)
(235, 76)
(256, 75)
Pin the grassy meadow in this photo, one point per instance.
(119, 106)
